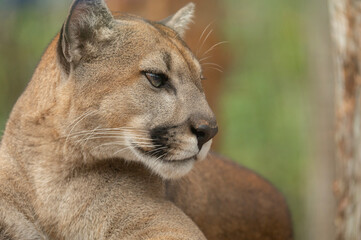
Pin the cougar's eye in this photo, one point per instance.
(157, 80)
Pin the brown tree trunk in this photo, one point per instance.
(346, 30)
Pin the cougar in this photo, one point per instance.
(114, 112)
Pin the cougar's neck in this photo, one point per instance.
(32, 129)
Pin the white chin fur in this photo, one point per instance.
(204, 151)
(178, 170)
(166, 170)
(172, 170)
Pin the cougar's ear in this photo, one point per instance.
(87, 22)
(180, 21)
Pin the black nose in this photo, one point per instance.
(204, 133)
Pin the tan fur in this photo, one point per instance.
(63, 174)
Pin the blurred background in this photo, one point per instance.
(270, 85)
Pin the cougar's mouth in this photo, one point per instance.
(166, 164)
(167, 152)
(177, 161)
(161, 155)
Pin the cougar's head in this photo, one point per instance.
(134, 89)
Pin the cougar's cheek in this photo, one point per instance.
(204, 151)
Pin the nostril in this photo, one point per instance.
(203, 133)
(199, 132)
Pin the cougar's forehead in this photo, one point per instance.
(160, 47)
(179, 50)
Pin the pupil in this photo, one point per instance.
(157, 80)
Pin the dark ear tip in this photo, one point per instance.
(61, 51)
(84, 16)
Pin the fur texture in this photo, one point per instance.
(89, 141)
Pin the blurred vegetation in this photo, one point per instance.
(266, 101)
(26, 28)
(265, 104)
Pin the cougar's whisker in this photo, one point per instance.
(125, 128)
(123, 149)
(156, 151)
(204, 41)
(110, 137)
(111, 143)
(81, 116)
(214, 46)
(217, 69)
(200, 38)
(77, 121)
(162, 156)
(102, 133)
(120, 128)
(203, 59)
(213, 64)
(92, 134)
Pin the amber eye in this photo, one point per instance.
(157, 80)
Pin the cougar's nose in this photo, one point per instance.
(203, 131)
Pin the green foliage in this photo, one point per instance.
(265, 105)
(24, 35)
